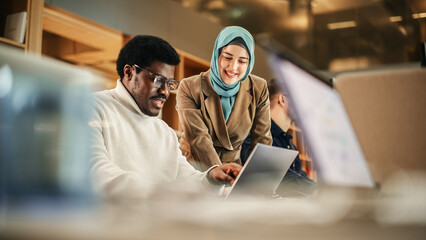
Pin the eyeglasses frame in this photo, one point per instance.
(160, 80)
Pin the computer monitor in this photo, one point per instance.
(328, 132)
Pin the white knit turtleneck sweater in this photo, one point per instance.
(133, 153)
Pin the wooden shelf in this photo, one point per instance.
(299, 142)
(304, 157)
(32, 40)
(11, 42)
(190, 65)
(11, 7)
(80, 41)
(294, 127)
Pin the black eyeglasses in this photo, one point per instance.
(159, 80)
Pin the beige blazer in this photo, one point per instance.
(207, 139)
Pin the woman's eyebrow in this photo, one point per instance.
(228, 53)
(233, 55)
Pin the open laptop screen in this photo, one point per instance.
(262, 173)
(329, 135)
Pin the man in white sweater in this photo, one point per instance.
(134, 152)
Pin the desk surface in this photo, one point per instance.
(330, 217)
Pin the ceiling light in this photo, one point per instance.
(339, 25)
(419, 15)
(297, 22)
(216, 5)
(402, 30)
(395, 19)
(186, 4)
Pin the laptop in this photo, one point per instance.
(262, 172)
(330, 138)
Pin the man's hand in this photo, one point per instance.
(224, 174)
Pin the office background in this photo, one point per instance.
(362, 35)
(334, 35)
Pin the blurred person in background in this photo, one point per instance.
(296, 181)
(135, 152)
(220, 107)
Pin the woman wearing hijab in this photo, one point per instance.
(220, 107)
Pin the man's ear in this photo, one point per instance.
(282, 100)
(128, 71)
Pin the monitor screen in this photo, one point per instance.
(328, 132)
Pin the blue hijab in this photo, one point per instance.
(228, 93)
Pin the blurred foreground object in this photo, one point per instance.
(387, 108)
(44, 142)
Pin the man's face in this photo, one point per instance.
(141, 86)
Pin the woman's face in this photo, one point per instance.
(233, 64)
